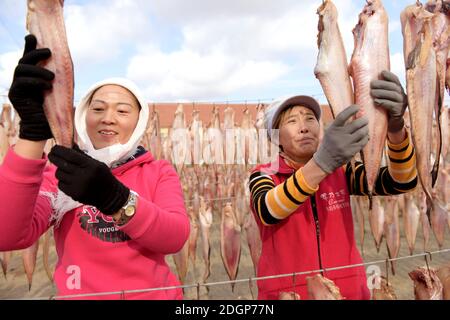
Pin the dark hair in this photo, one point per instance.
(277, 122)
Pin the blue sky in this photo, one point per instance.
(197, 50)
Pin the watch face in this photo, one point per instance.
(129, 211)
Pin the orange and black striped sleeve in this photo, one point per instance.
(273, 203)
(398, 177)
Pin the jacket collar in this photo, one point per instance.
(142, 156)
(279, 166)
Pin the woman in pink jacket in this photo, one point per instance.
(116, 211)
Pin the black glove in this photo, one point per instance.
(87, 180)
(389, 94)
(27, 92)
(342, 141)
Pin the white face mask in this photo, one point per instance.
(110, 155)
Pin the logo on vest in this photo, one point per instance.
(99, 225)
(335, 200)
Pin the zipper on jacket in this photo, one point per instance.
(316, 220)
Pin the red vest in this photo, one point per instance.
(293, 245)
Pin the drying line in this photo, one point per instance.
(211, 199)
(247, 280)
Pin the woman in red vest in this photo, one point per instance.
(301, 201)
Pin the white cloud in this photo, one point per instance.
(233, 46)
(102, 30)
(180, 11)
(8, 62)
(189, 75)
(201, 49)
(398, 67)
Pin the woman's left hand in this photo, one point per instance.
(389, 94)
(88, 180)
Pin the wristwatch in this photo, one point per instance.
(128, 210)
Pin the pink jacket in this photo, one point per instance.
(93, 255)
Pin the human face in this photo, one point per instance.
(299, 133)
(112, 116)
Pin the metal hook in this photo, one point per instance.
(250, 285)
(426, 262)
(387, 270)
(323, 271)
(293, 281)
(198, 290)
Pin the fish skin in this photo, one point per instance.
(196, 133)
(427, 285)
(14, 136)
(263, 142)
(445, 130)
(424, 220)
(45, 254)
(4, 143)
(230, 242)
(181, 260)
(5, 257)
(376, 220)
(370, 57)
(442, 185)
(385, 292)
(253, 239)
(443, 274)
(45, 20)
(412, 19)
(180, 142)
(193, 236)
(253, 145)
(205, 218)
(421, 83)
(440, 23)
(217, 149)
(411, 219)
(6, 119)
(241, 204)
(321, 288)
(392, 228)
(229, 137)
(447, 74)
(439, 218)
(290, 295)
(29, 256)
(153, 135)
(361, 207)
(332, 68)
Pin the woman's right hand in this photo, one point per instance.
(27, 92)
(342, 140)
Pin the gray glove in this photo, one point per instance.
(389, 94)
(342, 141)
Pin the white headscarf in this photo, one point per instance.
(111, 155)
(118, 152)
